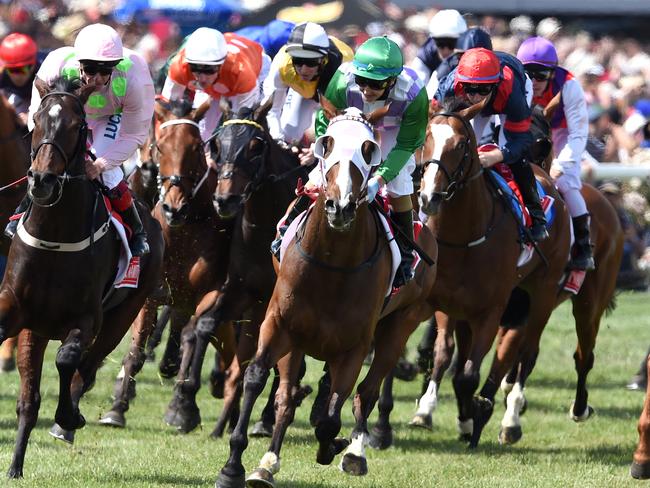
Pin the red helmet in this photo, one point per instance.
(478, 65)
(18, 50)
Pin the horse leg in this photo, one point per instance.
(264, 426)
(285, 407)
(426, 352)
(131, 365)
(8, 355)
(442, 356)
(640, 468)
(170, 362)
(31, 349)
(217, 378)
(232, 387)
(156, 335)
(274, 342)
(381, 435)
(188, 340)
(320, 402)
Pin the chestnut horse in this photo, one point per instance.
(256, 183)
(329, 301)
(595, 298)
(66, 240)
(479, 284)
(640, 468)
(196, 242)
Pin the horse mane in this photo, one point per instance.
(454, 104)
(67, 85)
(180, 107)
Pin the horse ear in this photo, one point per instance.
(41, 86)
(263, 110)
(159, 110)
(199, 113)
(328, 107)
(378, 114)
(552, 106)
(226, 109)
(470, 112)
(84, 93)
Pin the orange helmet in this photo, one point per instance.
(478, 65)
(18, 50)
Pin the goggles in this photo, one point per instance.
(93, 69)
(445, 42)
(372, 84)
(309, 62)
(20, 70)
(478, 88)
(206, 69)
(539, 74)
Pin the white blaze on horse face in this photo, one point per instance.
(344, 182)
(55, 110)
(441, 134)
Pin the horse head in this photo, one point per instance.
(177, 149)
(58, 140)
(241, 149)
(347, 153)
(449, 153)
(540, 151)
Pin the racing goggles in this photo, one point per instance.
(372, 84)
(445, 42)
(539, 74)
(309, 62)
(206, 69)
(20, 70)
(94, 69)
(478, 88)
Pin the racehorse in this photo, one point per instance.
(595, 297)
(196, 241)
(15, 162)
(67, 241)
(479, 284)
(327, 302)
(256, 183)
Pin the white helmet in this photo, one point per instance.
(447, 23)
(98, 42)
(206, 46)
(308, 40)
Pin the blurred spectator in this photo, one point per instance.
(549, 28)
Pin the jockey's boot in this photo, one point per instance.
(404, 220)
(582, 257)
(300, 205)
(12, 226)
(122, 202)
(525, 178)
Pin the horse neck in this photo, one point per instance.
(15, 159)
(7, 121)
(342, 249)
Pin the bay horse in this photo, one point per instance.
(66, 240)
(479, 284)
(196, 244)
(256, 183)
(329, 301)
(594, 299)
(15, 162)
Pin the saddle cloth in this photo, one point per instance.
(128, 266)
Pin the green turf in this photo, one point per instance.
(554, 452)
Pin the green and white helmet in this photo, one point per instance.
(378, 58)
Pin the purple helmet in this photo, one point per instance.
(538, 50)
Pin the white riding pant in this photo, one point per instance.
(105, 132)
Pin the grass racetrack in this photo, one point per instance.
(554, 451)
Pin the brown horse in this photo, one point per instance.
(327, 302)
(196, 242)
(479, 284)
(75, 260)
(640, 468)
(596, 297)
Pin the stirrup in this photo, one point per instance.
(139, 245)
(538, 232)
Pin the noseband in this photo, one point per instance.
(456, 180)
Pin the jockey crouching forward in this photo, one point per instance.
(376, 78)
(498, 80)
(299, 73)
(118, 113)
(212, 65)
(569, 130)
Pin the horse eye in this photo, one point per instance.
(461, 145)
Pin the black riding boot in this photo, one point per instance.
(582, 257)
(404, 220)
(12, 226)
(138, 243)
(525, 178)
(301, 204)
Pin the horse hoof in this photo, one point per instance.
(510, 435)
(113, 419)
(14, 473)
(465, 437)
(150, 356)
(217, 382)
(168, 369)
(405, 370)
(354, 465)
(380, 438)
(640, 471)
(188, 420)
(586, 415)
(261, 429)
(225, 480)
(260, 478)
(422, 421)
(6, 366)
(524, 407)
(61, 434)
(325, 455)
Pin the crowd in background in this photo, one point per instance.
(614, 72)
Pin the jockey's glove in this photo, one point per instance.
(374, 184)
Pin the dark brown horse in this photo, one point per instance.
(595, 298)
(479, 284)
(67, 242)
(196, 242)
(327, 302)
(257, 179)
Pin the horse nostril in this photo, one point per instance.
(330, 205)
(166, 208)
(350, 208)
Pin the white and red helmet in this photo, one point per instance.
(206, 46)
(100, 43)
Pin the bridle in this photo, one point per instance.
(78, 151)
(456, 180)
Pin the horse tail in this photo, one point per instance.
(611, 305)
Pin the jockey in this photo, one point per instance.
(376, 78)
(20, 60)
(118, 113)
(498, 80)
(570, 127)
(300, 73)
(212, 65)
(445, 29)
